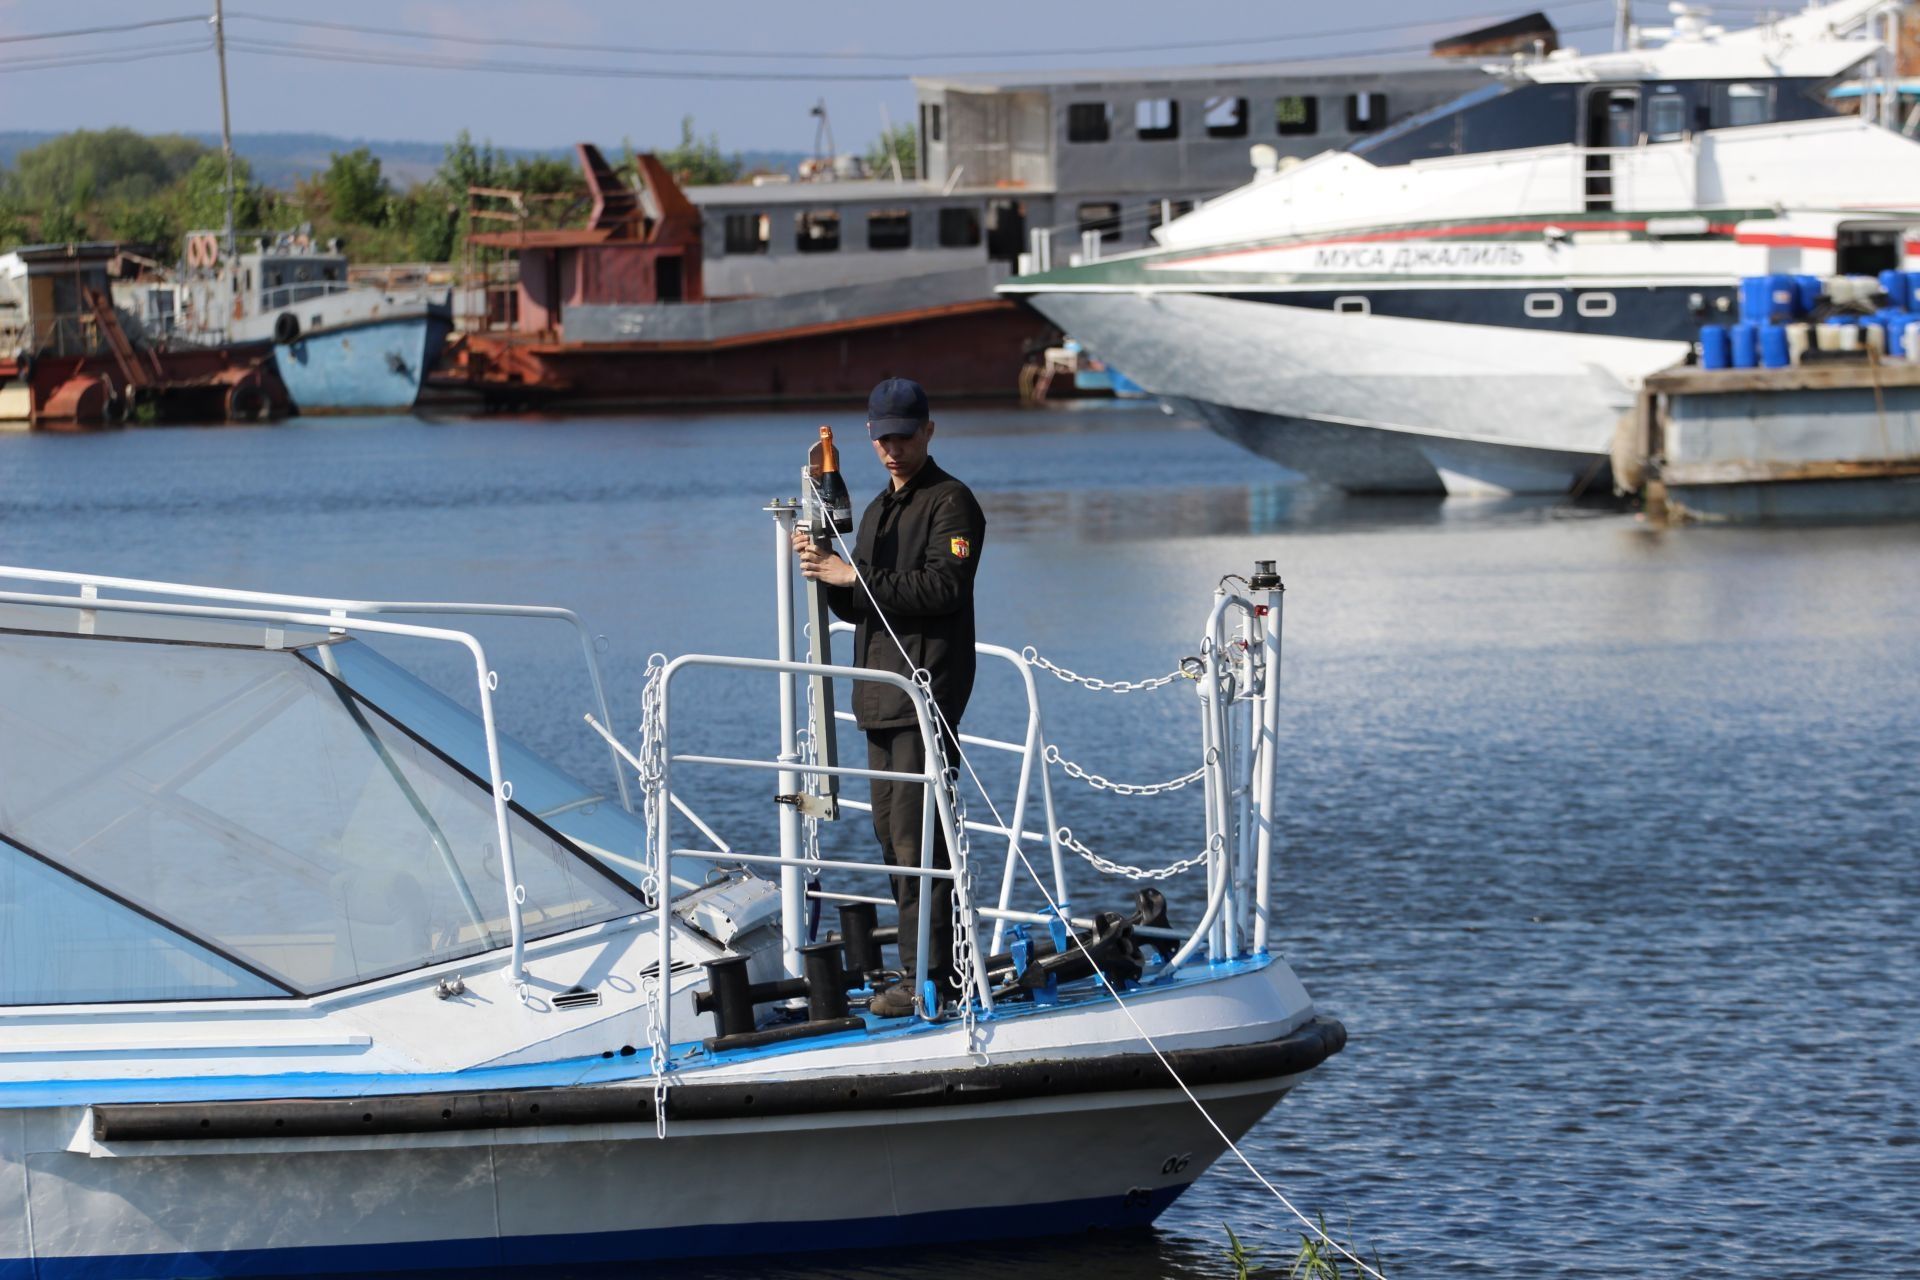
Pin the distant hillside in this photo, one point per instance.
(280, 158)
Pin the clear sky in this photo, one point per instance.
(356, 83)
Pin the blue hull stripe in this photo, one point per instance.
(732, 1239)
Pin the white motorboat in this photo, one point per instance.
(1468, 301)
(304, 966)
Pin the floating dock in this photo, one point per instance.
(1826, 440)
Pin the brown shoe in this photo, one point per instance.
(895, 1001)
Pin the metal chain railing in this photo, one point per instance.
(960, 967)
(653, 768)
(1121, 869)
(657, 1045)
(1100, 783)
(1189, 669)
(653, 797)
(809, 821)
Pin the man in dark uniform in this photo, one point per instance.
(918, 550)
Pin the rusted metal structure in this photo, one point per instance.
(616, 312)
(75, 365)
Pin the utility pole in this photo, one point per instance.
(1622, 23)
(226, 123)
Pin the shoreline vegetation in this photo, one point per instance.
(148, 190)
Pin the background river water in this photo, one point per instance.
(1600, 839)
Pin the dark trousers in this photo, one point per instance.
(896, 824)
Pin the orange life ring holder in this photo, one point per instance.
(203, 251)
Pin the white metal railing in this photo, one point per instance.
(935, 808)
(1032, 748)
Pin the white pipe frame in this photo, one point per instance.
(1266, 752)
(510, 879)
(1222, 841)
(1034, 747)
(793, 918)
(935, 805)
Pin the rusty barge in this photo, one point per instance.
(617, 313)
(77, 362)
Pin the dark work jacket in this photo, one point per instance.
(918, 549)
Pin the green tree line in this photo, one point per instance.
(150, 190)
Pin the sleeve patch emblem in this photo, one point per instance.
(961, 548)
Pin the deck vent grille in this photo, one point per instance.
(576, 999)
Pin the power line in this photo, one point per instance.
(435, 62)
(443, 62)
(137, 53)
(834, 55)
(111, 29)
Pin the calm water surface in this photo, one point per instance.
(1600, 840)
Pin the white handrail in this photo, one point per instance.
(1034, 745)
(935, 806)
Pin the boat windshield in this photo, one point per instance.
(183, 821)
(1420, 119)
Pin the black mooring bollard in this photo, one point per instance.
(857, 923)
(826, 993)
(729, 995)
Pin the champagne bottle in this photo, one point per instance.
(835, 502)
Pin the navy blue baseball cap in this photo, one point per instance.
(897, 407)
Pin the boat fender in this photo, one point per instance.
(286, 328)
(781, 1034)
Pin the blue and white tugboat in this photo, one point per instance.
(339, 347)
(306, 967)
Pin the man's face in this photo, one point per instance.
(904, 455)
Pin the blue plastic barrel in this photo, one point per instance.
(1913, 290)
(1807, 291)
(1773, 346)
(1745, 341)
(1756, 298)
(1715, 351)
(1898, 287)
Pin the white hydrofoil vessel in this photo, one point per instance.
(1467, 301)
(305, 967)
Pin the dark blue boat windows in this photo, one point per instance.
(1667, 116)
(1490, 118)
(1296, 116)
(1739, 104)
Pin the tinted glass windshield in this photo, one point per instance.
(250, 803)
